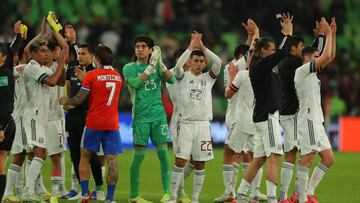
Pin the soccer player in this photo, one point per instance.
(144, 76)
(7, 91)
(288, 112)
(35, 112)
(75, 122)
(233, 155)
(55, 128)
(266, 88)
(313, 137)
(173, 88)
(102, 85)
(193, 137)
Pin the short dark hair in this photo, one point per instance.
(197, 52)
(262, 43)
(240, 49)
(144, 38)
(308, 51)
(89, 47)
(53, 44)
(4, 49)
(295, 41)
(105, 55)
(37, 44)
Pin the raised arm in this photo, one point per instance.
(234, 81)
(252, 31)
(17, 41)
(53, 80)
(216, 67)
(38, 37)
(333, 28)
(326, 56)
(319, 40)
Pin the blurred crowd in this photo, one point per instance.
(116, 22)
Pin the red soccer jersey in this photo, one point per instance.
(104, 86)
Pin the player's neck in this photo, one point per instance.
(143, 60)
(194, 73)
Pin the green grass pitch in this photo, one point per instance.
(340, 185)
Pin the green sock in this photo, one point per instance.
(163, 155)
(135, 172)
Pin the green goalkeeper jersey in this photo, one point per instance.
(145, 96)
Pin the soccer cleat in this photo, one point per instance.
(195, 200)
(294, 198)
(224, 198)
(26, 197)
(139, 199)
(312, 199)
(11, 199)
(100, 195)
(258, 197)
(165, 198)
(110, 201)
(184, 199)
(45, 196)
(70, 194)
(286, 201)
(53, 199)
(93, 195)
(85, 199)
(77, 197)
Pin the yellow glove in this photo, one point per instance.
(53, 21)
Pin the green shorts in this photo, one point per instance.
(157, 131)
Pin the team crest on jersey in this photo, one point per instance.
(191, 82)
(203, 82)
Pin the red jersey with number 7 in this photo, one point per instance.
(104, 85)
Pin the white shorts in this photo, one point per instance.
(291, 132)
(55, 131)
(35, 132)
(194, 139)
(241, 141)
(267, 138)
(313, 137)
(20, 141)
(230, 129)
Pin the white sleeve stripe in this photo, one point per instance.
(42, 77)
(84, 88)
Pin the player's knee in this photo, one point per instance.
(180, 162)
(199, 165)
(328, 161)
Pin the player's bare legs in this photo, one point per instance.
(13, 173)
(112, 176)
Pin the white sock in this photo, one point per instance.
(235, 176)
(187, 171)
(33, 173)
(303, 178)
(271, 191)
(177, 176)
(12, 175)
(316, 177)
(103, 171)
(62, 188)
(286, 175)
(20, 181)
(255, 185)
(39, 185)
(55, 184)
(228, 171)
(198, 180)
(74, 180)
(296, 189)
(27, 166)
(243, 190)
(189, 167)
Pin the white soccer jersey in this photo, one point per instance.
(244, 96)
(307, 86)
(173, 88)
(19, 94)
(231, 108)
(56, 111)
(194, 97)
(36, 94)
